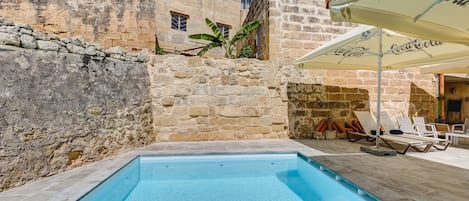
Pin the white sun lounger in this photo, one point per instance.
(368, 123)
(388, 125)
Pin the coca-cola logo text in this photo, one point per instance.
(413, 46)
(350, 51)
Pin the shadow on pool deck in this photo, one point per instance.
(398, 177)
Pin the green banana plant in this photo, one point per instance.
(219, 40)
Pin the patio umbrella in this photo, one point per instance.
(443, 20)
(372, 48)
(447, 67)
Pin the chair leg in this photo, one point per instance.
(441, 149)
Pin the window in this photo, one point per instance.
(245, 4)
(224, 29)
(179, 21)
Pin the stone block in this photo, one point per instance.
(9, 39)
(315, 29)
(189, 137)
(167, 101)
(296, 18)
(75, 49)
(194, 61)
(278, 127)
(333, 97)
(240, 111)
(48, 45)
(277, 119)
(231, 127)
(182, 74)
(353, 97)
(166, 121)
(290, 9)
(291, 27)
(349, 90)
(257, 130)
(199, 111)
(289, 43)
(28, 41)
(222, 135)
(223, 121)
(254, 136)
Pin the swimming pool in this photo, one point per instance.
(227, 177)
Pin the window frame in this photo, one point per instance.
(224, 29)
(245, 4)
(181, 21)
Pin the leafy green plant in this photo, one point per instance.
(159, 51)
(219, 40)
(246, 52)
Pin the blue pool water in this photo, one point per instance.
(243, 177)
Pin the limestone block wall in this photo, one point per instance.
(62, 110)
(227, 12)
(130, 24)
(220, 99)
(337, 94)
(133, 24)
(299, 26)
(293, 28)
(311, 103)
(217, 99)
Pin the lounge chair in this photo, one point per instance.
(369, 124)
(364, 121)
(461, 128)
(426, 129)
(458, 130)
(388, 125)
(406, 126)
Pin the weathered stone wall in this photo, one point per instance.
(297, 27)
(227, 12)
(133, 24)
(207, 99)
(311, 103)
(62, 110)
(337, 94)
(106, 22)
(292, 28)
(24, 36)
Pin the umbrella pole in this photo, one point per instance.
(378, 101)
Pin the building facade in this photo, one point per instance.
(130, 24)
(295, 27)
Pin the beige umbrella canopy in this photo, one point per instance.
(371, 48)
(448, 67)
(360, 47)
(443, 20)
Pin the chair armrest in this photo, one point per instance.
(453, 128)
(432, 127)
(425, 131)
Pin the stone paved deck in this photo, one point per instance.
(432, 176)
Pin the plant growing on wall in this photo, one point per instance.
(246, 52)
(219, 40)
